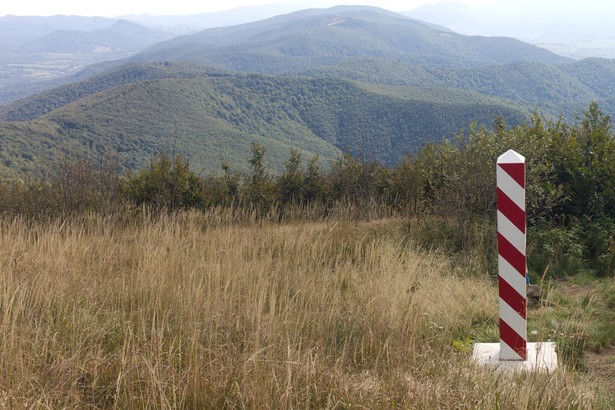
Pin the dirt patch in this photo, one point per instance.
(601, 366)
(591, 299)
(572, 291)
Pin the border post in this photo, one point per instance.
(513, 353)
(511, 222)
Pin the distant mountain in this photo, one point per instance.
(139, 35)
(315, 38)
(184, 24)
(16, 30)
(123, 35)
(35, 54)
(61, 41)
(308, 40)
(209, 116)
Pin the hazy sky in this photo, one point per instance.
(113, 8)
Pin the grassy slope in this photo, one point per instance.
(185, 312)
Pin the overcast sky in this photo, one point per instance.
(114, 8)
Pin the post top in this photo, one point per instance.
(511, 157)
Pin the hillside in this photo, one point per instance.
(377, 46)
(317, 38)
(209, 117)
(553, 89)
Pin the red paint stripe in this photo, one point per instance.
(511, 254)
(512, 297)
(512, 339)
(511, 210)
(516, 171)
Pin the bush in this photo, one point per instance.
(558, 250)
(168, 183)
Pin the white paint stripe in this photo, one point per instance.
(513, 319)
(511, 232)
(512, 277)
(507, 353)
(511, 157)
(511, 188)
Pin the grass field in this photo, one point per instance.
(195, 311)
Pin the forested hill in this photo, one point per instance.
(553, 89)
(212, 117)
(356, 79)
(376, 46)
(317, 38)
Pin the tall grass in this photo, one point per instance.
(194, 310)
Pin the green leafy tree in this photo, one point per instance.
(259, 187)
(290, 182)
(168, 183)
(314, 186)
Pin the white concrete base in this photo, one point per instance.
(541, 356)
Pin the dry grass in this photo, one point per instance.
(191, 312)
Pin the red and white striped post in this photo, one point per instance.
(512, 256)
(513, 352)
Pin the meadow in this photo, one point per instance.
(213, 310)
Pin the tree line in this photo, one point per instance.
(451, 183)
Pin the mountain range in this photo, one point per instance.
(358, 79)
(315, 38)
(38, 53)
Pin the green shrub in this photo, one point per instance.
(168, 183)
